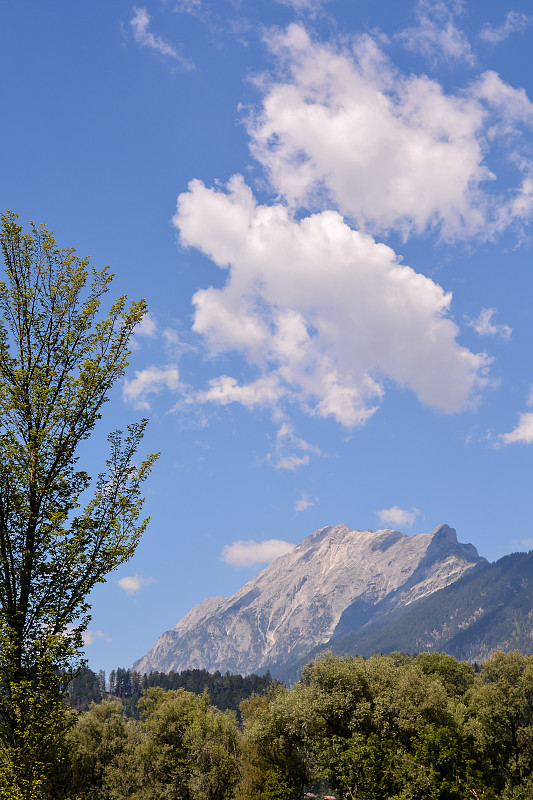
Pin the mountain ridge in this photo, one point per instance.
(298, 601)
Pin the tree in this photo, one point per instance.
(275, 756)
(58, 361)
(188, 750)
(96, 747)
(501, 706)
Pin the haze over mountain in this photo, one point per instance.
(336, 580)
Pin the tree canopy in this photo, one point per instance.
(394, 727)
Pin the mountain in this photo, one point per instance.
(488, 609)
(491, 609)
(336, 580)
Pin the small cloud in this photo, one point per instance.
(292, 463)
(398, 516)
(436, 33)
(527, 543)
(529, 401)
(290, 452)
(175, 343)
(305, 502)
(248, 553)
(484, 326)
(146, 329)
(89, 637)
(301, 6)
(515, 22)
(264, 391)
(149, 381)
(134, 583)
(188, 6)
(522, 434)
(140, 23)
(171, 337)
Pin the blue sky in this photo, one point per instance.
(328, 207)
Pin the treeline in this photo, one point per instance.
(392, 727)
(226, 692)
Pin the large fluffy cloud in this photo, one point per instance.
(391, 151)
(324, 313)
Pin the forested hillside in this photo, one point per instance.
(226, 692)
(487, 609)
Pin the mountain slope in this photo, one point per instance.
(488, 609)
(491, 609)
(335, 578)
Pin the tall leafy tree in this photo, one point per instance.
(59, 357)
(501, 707)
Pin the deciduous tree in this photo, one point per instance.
(58, 360)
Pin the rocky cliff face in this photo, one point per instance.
(336, 579)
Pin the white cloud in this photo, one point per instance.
(134, 583)
(146, 329)
(326, 315)
(437, 33)
(512, 105)
(172, 340)
(265, 391)
(398, 516)
(188, 6)
(305, 502)
(304, 5)
(484, 326)
(515, 22)
(140, 23)
(527, 543)
(149, 381)
(292, 462)
(247, 553)
(391, 151)
(89, 637)
(290, 452)
(522, 434)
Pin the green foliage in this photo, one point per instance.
(275, 786)
(58, 361)
(186, 750)
(388, 726)
(456, 676)
(385, 728)
(84, 688)
(501, 703)
(95, 747)
(226, 692)
(274, 744)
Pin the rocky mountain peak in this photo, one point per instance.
(336, 578)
